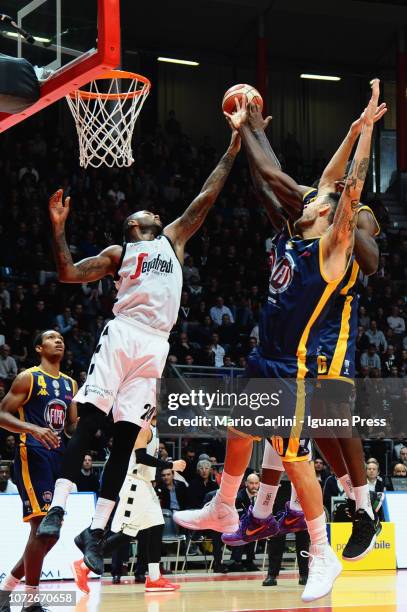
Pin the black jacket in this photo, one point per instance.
(180, 492)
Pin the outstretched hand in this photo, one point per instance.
(59, 208)
(237, 119)
(357, 125)
(255, 118)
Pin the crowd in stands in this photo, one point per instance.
(225, 277)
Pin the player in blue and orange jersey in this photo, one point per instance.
(308, 269)
(39, 407)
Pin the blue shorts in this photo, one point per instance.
(35, 471)
(294, 447)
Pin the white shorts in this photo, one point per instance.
(139, 507)
(125, 366)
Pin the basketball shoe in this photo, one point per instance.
(90, 542)
(162, 585)
(290, 521)
(251, 529)
(80, 574)
(50, 526)
(215, 515)
(364, 530)
(324, 568)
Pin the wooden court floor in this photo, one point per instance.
(373, 591)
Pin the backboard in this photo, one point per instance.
(74, 42)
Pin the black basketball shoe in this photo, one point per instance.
(90, 542)
(36, 608)
(5, 601)
(50, 526)
(363, 538)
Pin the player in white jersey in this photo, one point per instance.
(139, 509)
(133, 347)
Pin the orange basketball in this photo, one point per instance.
(238, 91)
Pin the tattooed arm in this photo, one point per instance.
(191, 220)
(86, 270)
(337, 243)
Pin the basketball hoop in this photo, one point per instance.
(105, 120)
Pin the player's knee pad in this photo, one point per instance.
(271, 459)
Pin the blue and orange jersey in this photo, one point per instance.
(298, 301)
(47, 403)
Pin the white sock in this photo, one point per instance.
(347, 486)
(362, 499)
(294, 501)
(62, 489)
(264, 503)
(229, 486)
(317, 530)
(154, 571)
(31, 591)
(102, 514)
(9, 583)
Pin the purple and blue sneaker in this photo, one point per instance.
(251, 529)
(290, 521)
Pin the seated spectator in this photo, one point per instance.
(403, 455)
(228, 333)
(8, 450)
(172, 493)
(183, 347)
(87, 481)
(321, 471)
(245, 498)
(364, 318)
(218, 351)
(389, 362)
(65, 321)
(332, 488)
(374, 480)
(7, 486)
(396, 322)
(376, 337)
(201, 485)
(18, 347)
(204, 331)
(163, 452)
(206, 356)
(217, 311)
(371, 359)
(191, 460)
(399, 470)
(189, 271)
(195, 289)
(8, 366)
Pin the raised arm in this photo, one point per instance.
(283, 186)
(180, 230)
(336, 168)
(338, 242)
(86, 270)
(14, 399)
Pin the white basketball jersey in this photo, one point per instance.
(149, 283)
(145, 472)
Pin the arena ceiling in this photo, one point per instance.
(348, 34)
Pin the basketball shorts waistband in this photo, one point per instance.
(143, 327)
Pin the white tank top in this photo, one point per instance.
(145, 472)
(149, 283)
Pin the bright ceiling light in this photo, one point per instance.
(36, 38)
(320, 77)
(171, 60)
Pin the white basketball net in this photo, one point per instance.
(105, 120)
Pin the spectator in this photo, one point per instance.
(396, 322)
(7, 486)
(364, 318)
(8, 451)
(320, 471)
(399, 470)
(218, 351)
(201, 485)
(228, 333)
(403, 455)
(371, 359)
(183, 347)
(18, 347)
(87, 481)
(376, 337)
(190, 271)
(172, 493)
(8, 366)
(217, 311)
(374, 481)
(162, 451)
(65, 321)
(245, 498)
